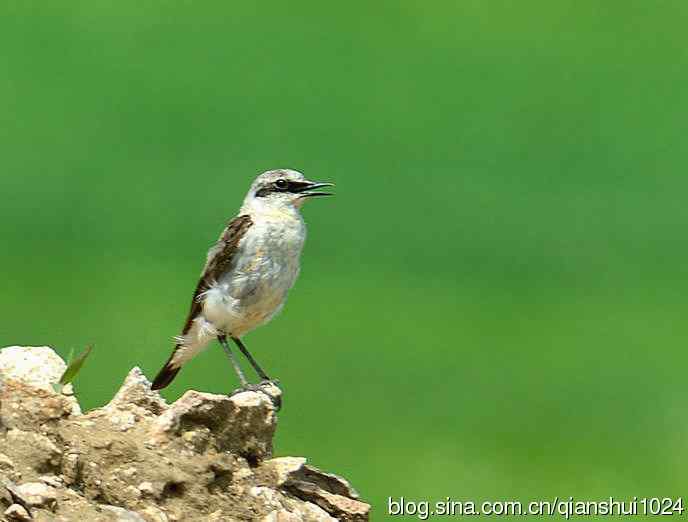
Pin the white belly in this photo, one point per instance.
(266, 268)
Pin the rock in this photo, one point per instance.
(343, 508)
(35, 366)
(136, 392)
(268, 497)
(204, 458)
(70, 468)
(5, 462)
(133, 402)
(36, 494)
(243, 423)
(330, 492)
(282, 469)
(327, 481)
(27, 397)
(313, 513)
(51, 480)
(147, 488)
(121, 514)
(197, 440)
(7, 496)
(282, 515)
(154, 514)
(17, 512)
(35, 451)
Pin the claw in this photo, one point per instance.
(262, 388)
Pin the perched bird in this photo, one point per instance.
(249, 271)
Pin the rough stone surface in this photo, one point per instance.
(36, 494)
(122, 515)
(204, 457)
(35, 366)
(27, 398)
(33, 451)
(17, 512)
(243, 423)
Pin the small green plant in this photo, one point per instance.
(73, 368)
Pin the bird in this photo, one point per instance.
(248, 272)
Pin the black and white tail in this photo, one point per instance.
(166, 374)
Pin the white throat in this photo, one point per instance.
(270, 209)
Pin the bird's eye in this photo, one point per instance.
(281, 184)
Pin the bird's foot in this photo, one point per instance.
(268, 388)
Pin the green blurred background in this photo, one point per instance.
(492, 307)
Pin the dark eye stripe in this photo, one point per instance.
(292, 186)
(263, 191)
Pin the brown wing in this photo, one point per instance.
(220, 258)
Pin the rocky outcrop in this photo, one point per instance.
(205, 457)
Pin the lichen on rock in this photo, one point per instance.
(203, 457)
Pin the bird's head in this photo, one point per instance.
(283, 189)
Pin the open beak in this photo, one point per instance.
(310, 189)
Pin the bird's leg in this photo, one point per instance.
(253, 362)
(275, 397)
(223, 341)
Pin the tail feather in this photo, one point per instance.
(187, 347)
(165, 376)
